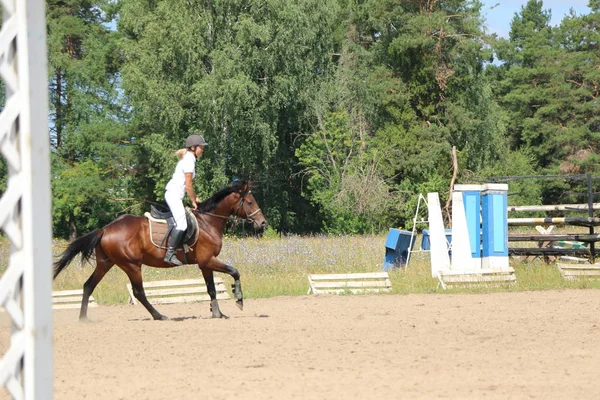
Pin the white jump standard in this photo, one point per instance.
(479, 250)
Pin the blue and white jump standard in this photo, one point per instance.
(479, 250)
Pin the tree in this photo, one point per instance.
(430, 93)
(87, 112)
(241, 73)
(548, 84)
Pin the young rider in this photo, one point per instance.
(178, 186)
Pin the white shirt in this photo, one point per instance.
(177, 183)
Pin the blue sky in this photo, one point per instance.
(498, 19)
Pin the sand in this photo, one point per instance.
(540, 345)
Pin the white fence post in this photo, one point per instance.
(26, 369)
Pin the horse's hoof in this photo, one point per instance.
(223, 316)
(161, 318)
(240, 304)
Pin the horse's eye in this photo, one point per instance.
(250, 202)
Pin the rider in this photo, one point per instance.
(181, 183)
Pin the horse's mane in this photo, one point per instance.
(211, 203)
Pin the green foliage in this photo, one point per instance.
(548, 84)
(80, 198)
(343, 177)
(517, 163)
(92, 155)
(242, 73)
(342, 112)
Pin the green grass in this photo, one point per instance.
(279, 266)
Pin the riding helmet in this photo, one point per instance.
(195, 140)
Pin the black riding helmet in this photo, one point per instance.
(195, 140)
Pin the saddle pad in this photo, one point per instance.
(159, 229)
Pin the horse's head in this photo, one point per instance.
(248, 208)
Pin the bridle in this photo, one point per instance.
(241, 205)
(236, 218)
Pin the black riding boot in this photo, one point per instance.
(174, 240)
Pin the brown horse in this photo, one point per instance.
(126, 242)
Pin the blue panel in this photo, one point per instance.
(495, 225)
(500, 224)
(472, 203)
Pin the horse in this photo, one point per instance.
(126, 242)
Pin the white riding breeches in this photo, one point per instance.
(176, 206)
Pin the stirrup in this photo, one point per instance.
(172, 259)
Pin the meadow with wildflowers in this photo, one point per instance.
(279, 266)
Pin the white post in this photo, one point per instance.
(440, 260)
(466, 228)
(461, 248)
(36, 201)
(25, 214)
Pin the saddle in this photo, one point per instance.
(162, 223)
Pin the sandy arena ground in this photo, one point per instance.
(540, 345)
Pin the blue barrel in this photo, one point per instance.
(397, 246)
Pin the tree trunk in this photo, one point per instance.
(73, 231)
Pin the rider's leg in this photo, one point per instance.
(174, 241)
(178, 211)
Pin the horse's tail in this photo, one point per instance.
(84, 245)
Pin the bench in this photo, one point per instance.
(179, 291)
(65, 299)
(373, 282)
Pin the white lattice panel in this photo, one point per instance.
(26, 285)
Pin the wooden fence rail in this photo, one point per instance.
(556, 207)
(547, 245)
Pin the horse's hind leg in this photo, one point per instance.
(134, 272)
(212, 292)
(103, 265)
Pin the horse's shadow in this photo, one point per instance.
(176, 319)
(193, 317)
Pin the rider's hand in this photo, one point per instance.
(198, 200)
(194, 205)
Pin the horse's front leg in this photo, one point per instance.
(212, 292)
(216, 265)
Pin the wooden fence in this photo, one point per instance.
(578, 245)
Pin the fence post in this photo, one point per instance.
(591, 215)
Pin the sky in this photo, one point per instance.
(498, 18)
